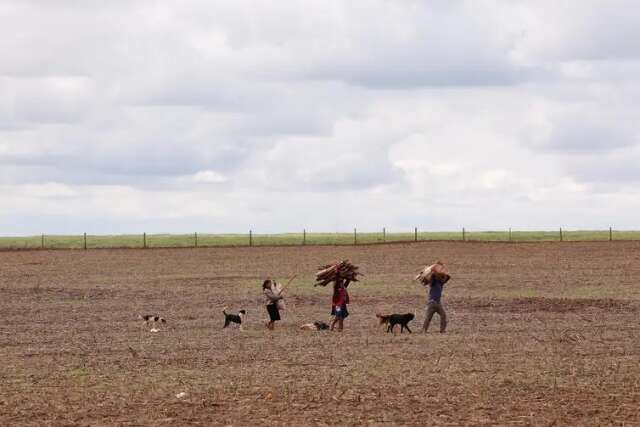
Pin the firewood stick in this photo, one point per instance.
(288, 283)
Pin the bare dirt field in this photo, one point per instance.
(540, 334)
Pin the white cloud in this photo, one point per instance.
(209, 177)
(49, 190)
(119, 116)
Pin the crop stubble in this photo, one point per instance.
(539, 333)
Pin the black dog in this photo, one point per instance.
(321, 325)
(233, 318)
(400, 319)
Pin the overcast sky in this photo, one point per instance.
(220, 116)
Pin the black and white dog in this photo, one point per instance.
(151, 318)
(233, 318)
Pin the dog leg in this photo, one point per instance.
(408, 328)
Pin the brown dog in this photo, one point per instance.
(384, 319)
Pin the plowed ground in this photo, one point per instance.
(540, 334)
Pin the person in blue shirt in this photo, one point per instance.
(434, 303)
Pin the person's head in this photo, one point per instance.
(267, 284)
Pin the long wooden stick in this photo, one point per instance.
(288, 283)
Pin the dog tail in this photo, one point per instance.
(378, 315)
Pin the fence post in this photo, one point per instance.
(464, 238)
(355, 236)
(510, 239)
(561, 234)
(144, 240)
(304, 237)
(250, 238)
(85, 241)
(42, 242)
(195, 239)
(384, 234)
(415, 234)
(610, 234)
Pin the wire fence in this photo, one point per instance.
(194, 240)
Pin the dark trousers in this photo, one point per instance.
(435, 307)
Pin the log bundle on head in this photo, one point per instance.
(428, 272)
(340, 270)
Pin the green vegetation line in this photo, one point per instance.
(203, 240)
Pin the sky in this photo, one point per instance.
(225, 116)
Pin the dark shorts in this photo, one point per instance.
(274, 314)
(340, 314)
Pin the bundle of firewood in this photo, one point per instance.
(339, 270)
(428, 272)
